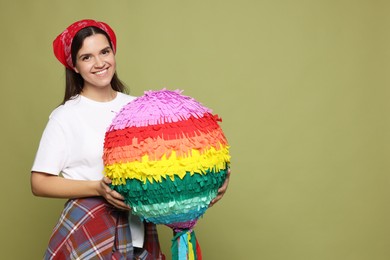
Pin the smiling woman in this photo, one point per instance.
(95, 221)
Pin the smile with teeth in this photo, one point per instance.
(100, 72)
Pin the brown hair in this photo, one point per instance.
(74, 83)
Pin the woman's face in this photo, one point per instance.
(95, 62)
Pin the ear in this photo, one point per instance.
(76, 70)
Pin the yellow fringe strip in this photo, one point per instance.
(145, 169)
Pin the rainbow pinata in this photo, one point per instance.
(167, 155)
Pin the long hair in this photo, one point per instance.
(74, 83)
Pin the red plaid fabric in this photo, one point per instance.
(90, 228)
(151, 243)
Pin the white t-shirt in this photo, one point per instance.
(72, 143)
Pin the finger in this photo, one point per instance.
(215, 200)
(124, 206)
(103, 184)
(223, 188)
(120, 204)
(221, 192)
(116, 195)
(106, 188)
(107, 180)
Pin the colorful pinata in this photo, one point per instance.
(167, 155)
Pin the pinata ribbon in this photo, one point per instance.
(185, 246)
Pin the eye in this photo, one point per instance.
(106, 51)
(85, 57)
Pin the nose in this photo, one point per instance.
(99, 62)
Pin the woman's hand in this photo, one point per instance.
(113, 197)
(53, 186)
(222, 190)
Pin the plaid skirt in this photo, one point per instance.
(90, 228)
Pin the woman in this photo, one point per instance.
(68, 164)
(95, 221)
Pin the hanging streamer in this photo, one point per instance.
(185, 246)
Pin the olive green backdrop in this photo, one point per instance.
(302, 87)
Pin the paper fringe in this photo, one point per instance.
(168, 167)
(158, 107)
(172, 202)
(168, 131)
(191, 185)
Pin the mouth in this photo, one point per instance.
(101, 72)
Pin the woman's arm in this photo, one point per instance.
(52, 186)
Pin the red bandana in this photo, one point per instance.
(63, 43)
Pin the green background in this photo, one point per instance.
(303, 90)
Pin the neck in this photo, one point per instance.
(100, 95)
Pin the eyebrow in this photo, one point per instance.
(88, 54)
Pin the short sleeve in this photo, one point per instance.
(52, 151)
